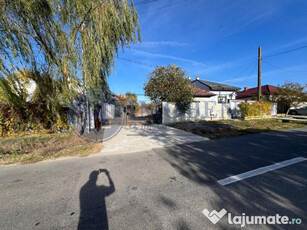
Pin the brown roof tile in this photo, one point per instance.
(202, 93)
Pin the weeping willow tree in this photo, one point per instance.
(65, 45)
(75, 40)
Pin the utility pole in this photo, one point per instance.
(259, 74)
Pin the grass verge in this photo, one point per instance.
(230, 128)
(34, 148)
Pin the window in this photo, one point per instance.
(222, 99)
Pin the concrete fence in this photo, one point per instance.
(204, 110)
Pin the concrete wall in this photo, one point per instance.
(199, 110)
(204, 109)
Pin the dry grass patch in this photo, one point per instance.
(33, 148)
(230, 128)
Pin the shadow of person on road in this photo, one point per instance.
(93, 211)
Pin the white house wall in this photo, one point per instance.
(228, 94)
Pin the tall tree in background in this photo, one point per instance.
(132, 97)
(168, 83)
(132, 102)
(291, 95)
(66, 37)
(122, 99)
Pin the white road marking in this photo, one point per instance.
(256, 172)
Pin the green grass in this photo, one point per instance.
(33, 148)
(230, 128)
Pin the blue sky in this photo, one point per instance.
(217, 40)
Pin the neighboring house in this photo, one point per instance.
(267, 92)
(251, 94)
(212, 101)
(223, 93)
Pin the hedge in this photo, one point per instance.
(259, 108)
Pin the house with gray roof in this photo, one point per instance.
(212, 101)
(223, 93)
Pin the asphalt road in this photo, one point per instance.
(165, 188)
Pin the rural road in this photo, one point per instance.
(162, 188)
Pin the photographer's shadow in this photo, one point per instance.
(93, 213)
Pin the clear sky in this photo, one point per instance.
(218, 41)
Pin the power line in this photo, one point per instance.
(245, 70)
(144, 2)
(277, 67)
(284, 52)
(154, 66)
(168, 5)
(249, 69)
(208, 77)
(165, 6)
(254, 64)
(137, 62)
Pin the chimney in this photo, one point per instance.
(197, 78)
(245, 88)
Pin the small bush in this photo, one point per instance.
(258, 108)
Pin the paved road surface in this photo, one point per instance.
(163, 188)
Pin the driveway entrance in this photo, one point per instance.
(141, 137)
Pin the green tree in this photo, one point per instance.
(131, 97)
(168, 83)
(67, 37)
(132, 100)
(291, 94)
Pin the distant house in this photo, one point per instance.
(222, 93)
(212, 101)
(251, 94)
